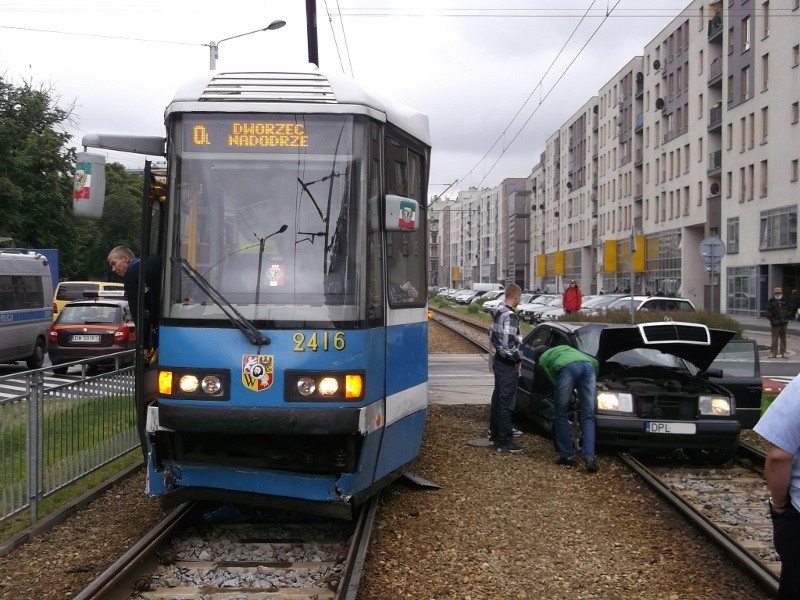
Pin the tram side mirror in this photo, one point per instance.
(89, 186)
(402, 214)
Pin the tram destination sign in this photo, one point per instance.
(244, 133)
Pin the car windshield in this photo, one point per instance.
(90, 314)
(600, 301)
(624, 303)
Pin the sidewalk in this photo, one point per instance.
(759, 329)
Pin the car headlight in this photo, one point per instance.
(615, 402)
(714, 406)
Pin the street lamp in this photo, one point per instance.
(213, 47)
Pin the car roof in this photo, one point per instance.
(693, 342)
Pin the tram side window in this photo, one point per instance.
(405, 251)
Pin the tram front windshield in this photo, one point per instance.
(268, 212)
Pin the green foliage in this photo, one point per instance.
(622, 315)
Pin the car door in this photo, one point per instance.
(529, 399)
(741, 376)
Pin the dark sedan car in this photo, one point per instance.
(90, 328)
(653, 390)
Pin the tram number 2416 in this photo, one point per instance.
(325, 340)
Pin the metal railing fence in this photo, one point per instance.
(56, 429)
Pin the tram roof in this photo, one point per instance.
(289, 88)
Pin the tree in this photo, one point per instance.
(36, 177)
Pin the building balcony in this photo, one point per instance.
(715, 118)
(715, 72)
(639, 122)
(715, 29)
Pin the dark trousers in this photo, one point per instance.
(504, 399)
(786, 537)
(778, 345)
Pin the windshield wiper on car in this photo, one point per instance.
(249, 330)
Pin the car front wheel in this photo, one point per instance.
(713, 456)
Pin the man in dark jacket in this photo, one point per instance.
(506, 343)
(778, 313)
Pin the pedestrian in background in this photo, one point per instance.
(778, 313)
(572, 298)
(506, 342)
(570, 369)
(780, 427)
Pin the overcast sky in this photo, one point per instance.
(471, 65)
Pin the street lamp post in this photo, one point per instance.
(213, 47)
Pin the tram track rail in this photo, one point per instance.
(726, 504)
(266, 555)
(472, 331)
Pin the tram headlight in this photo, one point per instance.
(714, 406)
(323, 386)
(328, 386)
(194, 384)
(189, 384)
(211, 384)
(306, 386)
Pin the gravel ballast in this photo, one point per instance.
(501, 526)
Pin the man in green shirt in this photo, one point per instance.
(570, 369)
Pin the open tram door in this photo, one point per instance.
(88, 202)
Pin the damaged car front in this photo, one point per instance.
(653, 389)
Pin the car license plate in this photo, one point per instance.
(666, 427)
(85, 339)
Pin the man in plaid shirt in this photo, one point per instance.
(506, 342)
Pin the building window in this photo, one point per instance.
(765, 20)
(794, 170)
(795, 112)
(745, 34)
(764, 124)
(751, 181)
(730, 89)
(764, 178)
(733, 236)
(730, 136)
(731, 39)
(745, 83)
(764, 72)
(751, 130)
(778, 228)
(729, 184)
(796, 55)
(742, 184)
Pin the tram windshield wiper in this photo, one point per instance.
(241, 322)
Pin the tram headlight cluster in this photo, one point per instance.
(325, 386)
(194, 384)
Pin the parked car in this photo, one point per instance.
(653, 389)
(597, 304)
(652, 303)
(90, 328)
(69, 291)
(529, 311)
(551, 314)
(492, 295)
(490, 305)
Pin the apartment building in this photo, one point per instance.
(696, 138)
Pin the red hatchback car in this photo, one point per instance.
(90, 328)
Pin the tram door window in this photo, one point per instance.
(374, 265)
(405, 251)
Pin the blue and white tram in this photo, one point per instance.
(292, 336)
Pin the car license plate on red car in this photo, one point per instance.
(85, 339)
(667, 427)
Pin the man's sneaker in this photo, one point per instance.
(512, 448)
(514, 432)
(569, 462)
(591, 465)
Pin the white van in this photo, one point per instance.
(26, 311)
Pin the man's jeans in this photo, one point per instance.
(504, 399)
(580, 376)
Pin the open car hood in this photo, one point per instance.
(693, 342)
